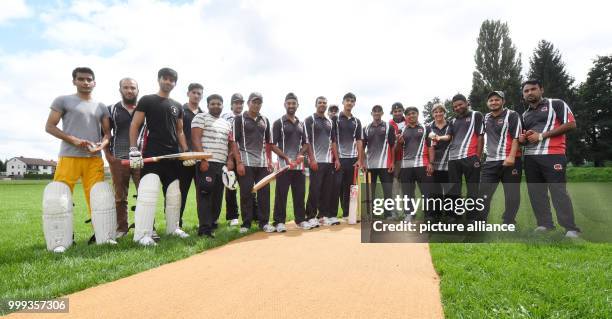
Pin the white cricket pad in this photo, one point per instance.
(173, 206)
(103, 213)
(57, 215)
(146, 203)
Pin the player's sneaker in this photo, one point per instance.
(334, 221)
(243, 230)
(120, 234)
(147, 241)
(314, 223)
(541, 229)
(305, 225)
(268, 228)
(326, 221)
(345, 219)
(111, 242)
(281, 228)
(322, 220)
(234, 222)
(155, 236)
(180, 233)
(59, 249)
(572, 234)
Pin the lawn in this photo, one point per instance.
(536, 279)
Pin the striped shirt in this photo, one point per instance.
(416, 146)
(319, 133)
(440, 162)
(379, 140)
(348, 132)
(499, 132)
(546, 116)
(252, 135)
(216, 135)
(465, 131)
(289, 137)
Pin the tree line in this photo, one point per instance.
(499, 67)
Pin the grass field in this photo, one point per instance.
(538, 279)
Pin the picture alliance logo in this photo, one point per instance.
(409, 204)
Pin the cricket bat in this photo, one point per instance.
(266, 180)
(354, 199)
(178, 156)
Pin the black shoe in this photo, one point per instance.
(206, 234)
(155, 236)
(92, 240)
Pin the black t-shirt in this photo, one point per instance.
(161, 115)
(188, 116)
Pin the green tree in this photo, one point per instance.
(594, 112)
(2, 166)
(428, 115)
(498, 66)
(547, 66)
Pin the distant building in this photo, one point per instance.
(19, 166)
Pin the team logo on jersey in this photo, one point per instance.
(477, 164)
(420, 130)
(515, 172)
(209, 179)
(544, 109)
(500, 121)
(174, 110)
(468, 119)
(558, 167)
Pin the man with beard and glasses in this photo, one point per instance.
(119, 148)
(503, 164)
(211, 134)
(289, 137)
(164, 117)
(546, 122)
(190, 110)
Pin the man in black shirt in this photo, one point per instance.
(119, 148)
(164, 117)
(190, 109)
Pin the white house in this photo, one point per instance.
(19, 166)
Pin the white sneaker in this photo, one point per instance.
(345, 219)
(234, 222)
(243, 230)
(59, 249)
(327, 221)
(120, 234)
(541, 229)
(322, 220)
(305, 225)
(334, 221)
(572, 234)
(111, 242)
(281, 228)
(314, 223)
(268, 228)
(180, 233)
(147, 241)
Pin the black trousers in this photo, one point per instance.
(439, 190)
(470, 168)
(231, 204)
(320, 192)
(491, 174)
(412, 176)
(186, 176)
(209, 191)
(546, 173)
(168, 172)
(386, 179)
(253, 175)
(297, 181)
(344, 180)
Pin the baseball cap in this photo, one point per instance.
(255, 96)
(395, 106)
(498, 93)
(290, 96)
(237, 97)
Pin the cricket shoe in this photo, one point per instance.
(120, 234)
(243, 230)
(334, 221)
(180, 233)
(281, 228)
(326, 221)
(147, 241)
(541, 229)
(314, 223)
(234, 222)
(155, 236)
(267, 228)
(59, 249)
(305, 225)
(572, 234)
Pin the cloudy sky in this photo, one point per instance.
(383, 51)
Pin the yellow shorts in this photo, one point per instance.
(89, 169)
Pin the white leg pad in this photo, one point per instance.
(103, 213)
(57, 215)
(173, 206)
(146, 204)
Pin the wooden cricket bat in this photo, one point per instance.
(266, 180)
(354, 199)
(178, 156)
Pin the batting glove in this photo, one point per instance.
(190, 162)
(135, 158)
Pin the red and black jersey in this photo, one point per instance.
(398, 128)
(500, 130)
(546, 116)
(465, 131)
(416, 146)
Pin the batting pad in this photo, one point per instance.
(103, 213)
(57, 215)
(173, 206)
(146, 202)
